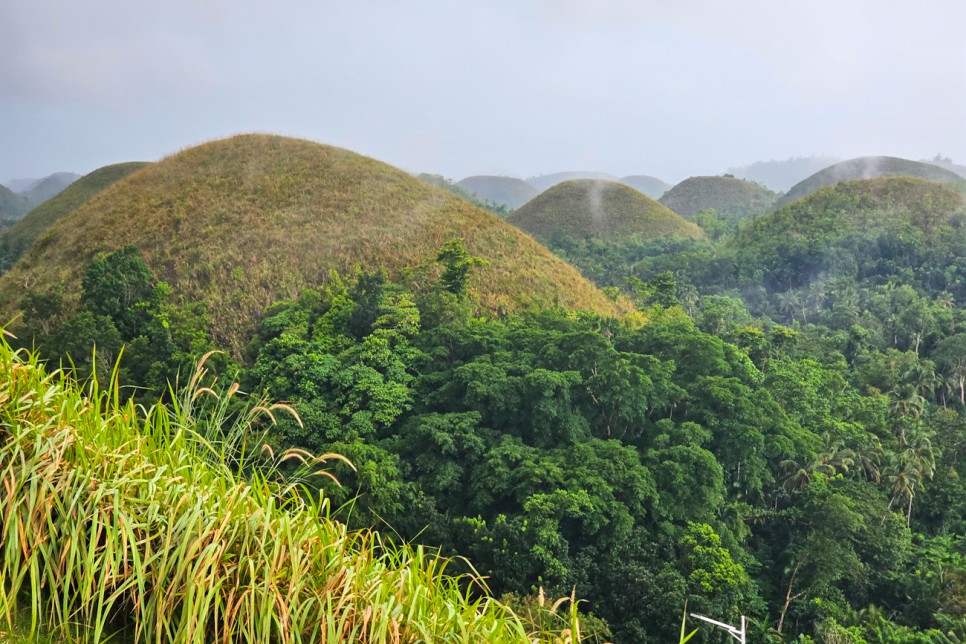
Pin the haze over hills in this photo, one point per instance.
(867, 168)
(782, 175)
(947, 164)
(47, 187)
(796, 241)
(728, 196)
(595, 209)
(243, 222)
(12, 206)
(19, 185)
(17, 239)
(544, 181)
(650, 186)
(509, 191)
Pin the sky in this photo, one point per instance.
(669, 88)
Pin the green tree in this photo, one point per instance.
(457, 263)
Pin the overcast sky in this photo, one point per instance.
(670, 88)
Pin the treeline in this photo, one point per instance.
(805, 475)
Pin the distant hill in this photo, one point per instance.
(796, 242)
(651, 186)
(450, 186)
(593, 209)
(19, 237)
(12, 206)
(48, 187)
(728, 196)
(244, 222)
(509, 191)
(867, 168)
(19, 185)
(947, 164)
(782, 175)
(545, 181)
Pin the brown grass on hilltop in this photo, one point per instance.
(243, 222)
(588, 208)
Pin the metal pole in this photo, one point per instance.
(728, 628)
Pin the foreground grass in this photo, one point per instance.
(118, 518)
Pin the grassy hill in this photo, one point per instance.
(246, 221)
(588, 208)
(798, 241)
(48, 187)
(19, 237)
(12, 205)
(728, 196)
(867, 168)
(509, 191)
(650, 186)
(546, 181)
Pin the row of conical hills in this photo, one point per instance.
(243, 222)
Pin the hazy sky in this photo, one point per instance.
(522, 87)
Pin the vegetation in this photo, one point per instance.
(591, 209)
(777, 431)
(832, 231)
(730, 198)
(172, 524)
(867, 168)
(240, 223)
(22, 234)
(12, 206)
(507, 191)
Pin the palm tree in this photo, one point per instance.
(910, 469)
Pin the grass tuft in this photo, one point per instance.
(169, 524)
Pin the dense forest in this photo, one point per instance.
(777, 430)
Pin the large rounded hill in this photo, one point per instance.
(808, 237)
(728, 196)
(243, 222)
(19, 237)
(593, 209)
(508, 191)
(868, 168)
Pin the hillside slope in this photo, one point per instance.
(799, 240)
(588, 208)
(243, 222)
(867, 168)
(509, 191)
(728, 196)
(19, 237)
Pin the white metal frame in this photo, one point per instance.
(737, 633)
